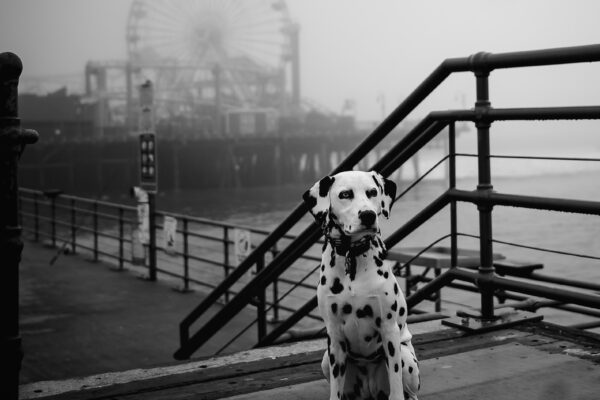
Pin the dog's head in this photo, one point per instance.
(350, 203)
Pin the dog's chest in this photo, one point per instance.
(356, 307)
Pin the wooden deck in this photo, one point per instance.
(534, 360)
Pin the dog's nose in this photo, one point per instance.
(367, 218)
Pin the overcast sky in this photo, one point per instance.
(352, 49)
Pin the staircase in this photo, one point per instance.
(487, 282)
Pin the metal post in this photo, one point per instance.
(12, 142)
(226, 257)
(275, 319)
(261, 313)
(452, 184)
(36, 218)
(218, 101)
(486, 269)
(148, 167)
(121, 223)
(95, 221)
(53, 219)
(152, 244)
(73, 227)
(186, 260)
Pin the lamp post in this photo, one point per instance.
(148, 167)
(12, 143)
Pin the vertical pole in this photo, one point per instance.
(12, 142)
(295, 50)
(121, 223)
(95, 222)
(226, 258)
(36, 220)
(275, 252)
(261, 313)
(186, 260)
(217, 123)
(152, 244)
(73, 227)
(149, 167)
(486, 268)
(53, 220)
(452, 184)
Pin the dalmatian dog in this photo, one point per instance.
(369, 351)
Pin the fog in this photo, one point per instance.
(372, 52)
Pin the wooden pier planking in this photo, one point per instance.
(526, 361)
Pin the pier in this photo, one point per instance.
(499, 346)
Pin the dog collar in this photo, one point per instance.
(350, 250)
(344, 246)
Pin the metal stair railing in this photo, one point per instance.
(480, 64)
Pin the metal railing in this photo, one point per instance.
(483, 115)
(203, 257)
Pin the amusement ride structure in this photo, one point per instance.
(206, 59)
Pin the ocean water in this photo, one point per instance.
(572, 233)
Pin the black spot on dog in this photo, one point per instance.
(402, 311)
(323, 280)
(379, 272)
(410, 370)
(325, 185)
(385, 213)
(347, 309)
(342, 369)
(396, 368)
(391, 349)
(395, 288)
(389, 316)
(389, 188)
(334, 308)
(366, 311)
(368, 338)
(378, 322)
(337, 287)
(332, 258)
(343, 346)
(378, 262)
(322, 267)
(331, 359)
(394, 306)
(402, 363)
(309, 199)
(336, 371)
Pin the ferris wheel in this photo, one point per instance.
(181, 45)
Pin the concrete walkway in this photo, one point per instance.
(80, 318)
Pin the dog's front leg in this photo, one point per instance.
(337, 353)
(390, 333)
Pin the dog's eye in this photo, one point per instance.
(371, 193)
(346, 194)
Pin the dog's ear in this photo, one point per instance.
(387, 188)
(317, 199)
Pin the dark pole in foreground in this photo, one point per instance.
(12, 142)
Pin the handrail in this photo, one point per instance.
(480, 63)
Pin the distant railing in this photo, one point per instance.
(203, 256)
